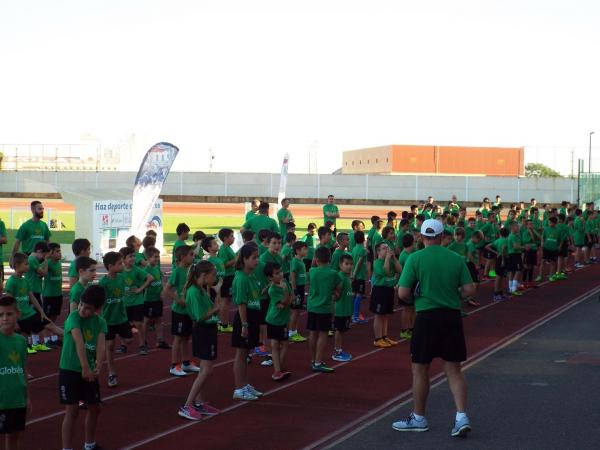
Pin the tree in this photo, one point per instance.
(539, 170)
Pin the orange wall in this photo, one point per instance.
(413, 158)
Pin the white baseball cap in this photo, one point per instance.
(432, 228)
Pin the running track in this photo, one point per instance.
(307, 411)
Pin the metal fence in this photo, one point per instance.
(589, 187)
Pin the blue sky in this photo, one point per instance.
(254, 82)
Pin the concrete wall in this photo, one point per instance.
(359, 187)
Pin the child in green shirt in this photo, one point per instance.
(80, 247)
(86, 273)
(52, 297)
(298, 282)
(153, 304)
(342, 249)
(344, 307)
(386, 271)
(227, 255)
(183, 233)
(360, 273)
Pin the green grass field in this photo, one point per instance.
(210, 225)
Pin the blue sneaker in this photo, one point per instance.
(461, 428)
(341, 356)
(411, 424)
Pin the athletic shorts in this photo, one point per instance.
(341, 324)
(358, 287)
(488, 254)
(153, 310)
(515, 262)
(264, 309)
(72, 388)
(123, 330)
(33, 324)
(550, 255)
(251, 341)
(500, 268)
(474, 272)
(181, 324)
(530, 257)
(135, 313)
(563, 251)
(204, 342)
(12, 420)
(38, 296)
(298, 302)
(226, 286)
(382, 300)
(307, 264)
(277, 332)
(318, 322)
(438, 333)
(52, 305)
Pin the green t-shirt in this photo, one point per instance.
(469, 232)
(335, 258)
(459, 247)
(578, 231)
(260, 222)
(529, 239)
(551, 238)
(276, 316)
(139, 257)
(436, 274)
(261, 279)
(90, 330)
(284, 214)
(75, 292)
(32, 276)
(381, 277)
(218, 263)
(114, 311)
(133, 279)
(563, 230)
(52, 286)
(178, 243)
(297, 266)
(351, 240)
(245, 290)
(32, 232)
(359, 253)
(310, 243)
(490, 232)
(19, 289)
(152, 293)
(404, 256)
(227, 254)
(472, 252)
(374, 241)
(198, 303)
(249, 215)
(2, 234)
(73, 270)
(500, 245)
(323, 282)
(286, 257)
(514, 244)
(13, 383)
(327, 208)
(270, 257)
(177, 280)
(344, 306)
(198, 253)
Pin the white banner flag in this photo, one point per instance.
(282, 181)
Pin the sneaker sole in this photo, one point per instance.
(245, 399)
(417, 430)
(185, 416)
(462, 432)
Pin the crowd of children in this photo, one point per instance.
(270, 280)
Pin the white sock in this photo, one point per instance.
(46, 340)
(54, 338)
(418, 418)
(461, 415)
(35, 339)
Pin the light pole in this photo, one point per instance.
(590, 154)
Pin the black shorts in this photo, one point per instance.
(358, 287)
(33, 324)
(52, 305)
(307, 264)
(38, 296)
(500, 268)
(550, 255)
(123, 330)
(488, 254)
(563, 251)
(298, 302)
(135, 313)
(204, 342)
(474, 272)
(226, 286)
(382, 300)
(153, 310)
(253, 317)
(341, 324)
(438, 333)
(530, 257)
(264, 309)
(318, 322)
(277, 332)
(12, 420)
(72, 388)
(515, 262)
(181, 324)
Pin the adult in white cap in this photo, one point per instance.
(437, 278)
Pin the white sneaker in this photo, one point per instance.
(243, 394)
(191, 367)
(268, 362)
(253, 391)
(177, 371)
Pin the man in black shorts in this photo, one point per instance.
(434, 276)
